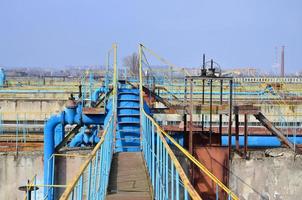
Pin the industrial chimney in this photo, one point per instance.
(282, 62)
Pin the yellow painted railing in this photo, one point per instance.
(201, 167)
(95, 170)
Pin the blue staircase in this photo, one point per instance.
(128, 124)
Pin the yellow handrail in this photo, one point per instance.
(186, 182)
(181, 69)
(91, 156)
(184, 151)
(193, 159)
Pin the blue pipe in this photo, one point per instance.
(49, 148)
(71, 115)
(59, 134)
(84, 139)
(260, 141)
(254, 141)
(2, 77)
(78, 139)
(92, 119)
(96, 93)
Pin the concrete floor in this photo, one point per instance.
(128, 177)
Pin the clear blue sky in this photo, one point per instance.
(77, 32)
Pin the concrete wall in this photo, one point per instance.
(16, 170)
(276, 174)
(29, 109)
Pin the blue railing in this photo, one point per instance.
(168, 179)
(92, 180)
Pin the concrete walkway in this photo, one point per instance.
(128, 177)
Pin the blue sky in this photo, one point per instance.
(236, 33)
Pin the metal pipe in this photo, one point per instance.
(220, 115)
(203, 73)
(237, 130)
(230, 117)
(191, 142)
(71, 115)
(185, 115)
(258, 141)
(191, 118)
(245, 135)
(49, 147)
(202, 117)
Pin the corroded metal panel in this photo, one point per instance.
(216, 160)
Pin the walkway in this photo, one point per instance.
(128, 177)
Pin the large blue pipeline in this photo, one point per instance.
(71, 115)
(254, 141)
(260, 141)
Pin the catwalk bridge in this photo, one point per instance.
(133, 156)
(134, 159)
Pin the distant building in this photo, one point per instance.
(244, 71)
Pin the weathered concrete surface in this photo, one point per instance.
(272, 174)
(128, 177)
(68, 166)
(16, 170)
(29, 109)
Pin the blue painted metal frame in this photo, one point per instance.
(165, 179)
(92, 181)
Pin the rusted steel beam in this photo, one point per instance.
(230, 117)
(208, 78)
(185, 115)
(68, 137)
(266, 123)
(214, 109)
(245, 135)
(199, 109)
(211, 105)
(191, 118)
(30, 146)
(246, 109)
(220, 115)
(93, 111)
(191, 167)
(237, 131)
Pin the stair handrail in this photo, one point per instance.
(71, 186)
(183, 150)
